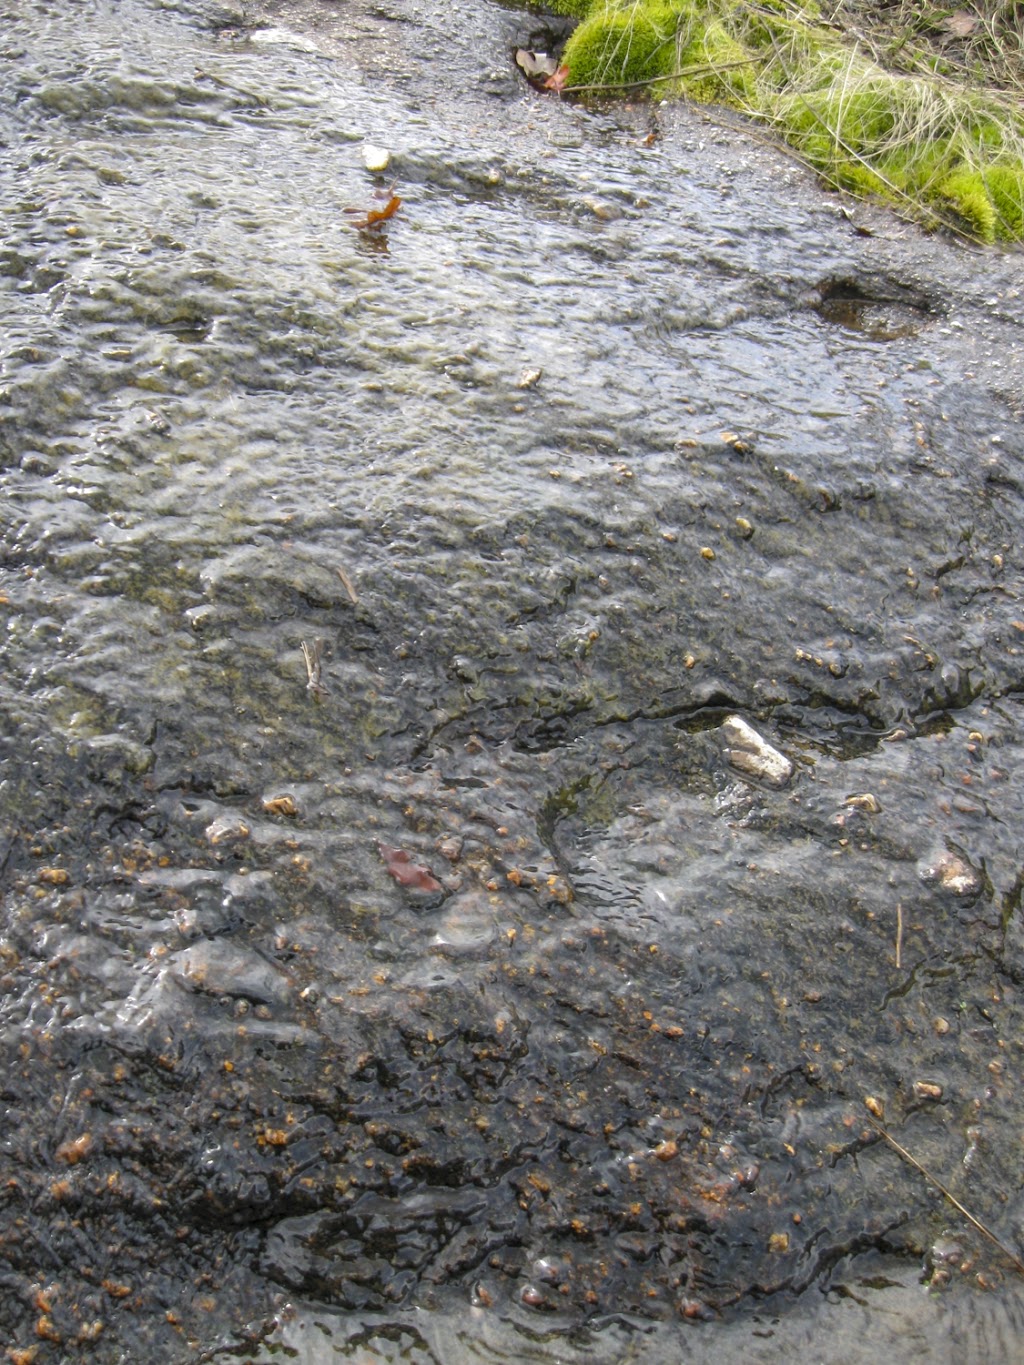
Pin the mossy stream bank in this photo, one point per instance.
(883, 101)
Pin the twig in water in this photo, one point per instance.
(975, 1222)
(899, 935)
(349, 588)
(311, 654)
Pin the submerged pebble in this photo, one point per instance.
(953, 873)
(222, 968)
(751, 754)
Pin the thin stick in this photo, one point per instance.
(976, 1222)
(899, 935)
(706, 69)
(349, 588)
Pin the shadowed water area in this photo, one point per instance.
(397, 959)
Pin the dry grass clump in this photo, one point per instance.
(890, 101)
(980, 43)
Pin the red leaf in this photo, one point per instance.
(400, 865)
(558, 79)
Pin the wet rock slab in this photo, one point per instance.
(656, 804)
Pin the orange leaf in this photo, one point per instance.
(375, 216)
(558, 79)
(388, 211)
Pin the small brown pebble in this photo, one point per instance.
(41, 1301)
(53, 876)
(707, 552)
(940, 1025)
(778, 1243)
(665, 1151)
(227, 829)
(76, 1150)
(46, 1330)
(953, 874)
(926, 1090)
(695, 1310)
(280, 805)
(450, 849)
(874, 1106)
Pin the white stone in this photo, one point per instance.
(752, 755)
(375, 158)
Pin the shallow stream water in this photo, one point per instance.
(397, 961)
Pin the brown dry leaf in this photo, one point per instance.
(960, 24)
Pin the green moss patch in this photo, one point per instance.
(621, 46)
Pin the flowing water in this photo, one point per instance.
(399, 962)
